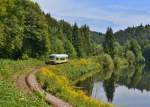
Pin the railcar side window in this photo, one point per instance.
(62, 58)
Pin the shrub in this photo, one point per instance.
(25, 57)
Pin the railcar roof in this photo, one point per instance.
(59, 55)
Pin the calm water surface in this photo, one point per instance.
(124, 88)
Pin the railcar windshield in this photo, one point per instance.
(52, 57)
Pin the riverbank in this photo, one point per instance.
(64, 77)
(60, 80)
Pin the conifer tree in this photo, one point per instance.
(109, 42)
(76, 40)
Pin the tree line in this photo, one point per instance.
(116, 55)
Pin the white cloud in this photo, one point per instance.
(53, 5)
(73, 9)
(101, 14)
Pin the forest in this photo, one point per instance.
(27, 32)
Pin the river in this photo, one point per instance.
(129, 87)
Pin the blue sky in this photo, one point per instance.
(99, 14)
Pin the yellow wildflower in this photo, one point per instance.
(62, 80)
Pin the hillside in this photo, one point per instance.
(140, 33)
(97, 37)
(26, 31)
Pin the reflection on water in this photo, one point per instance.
(123, 97)
(126, 88)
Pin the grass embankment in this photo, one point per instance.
(10, 96)
(59, 79)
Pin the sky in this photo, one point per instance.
(99, 14)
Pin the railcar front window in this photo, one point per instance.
(52, 57)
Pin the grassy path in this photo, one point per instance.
(29, 83)
(12, 95)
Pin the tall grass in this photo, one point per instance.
(77, 69)
(9, 68)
